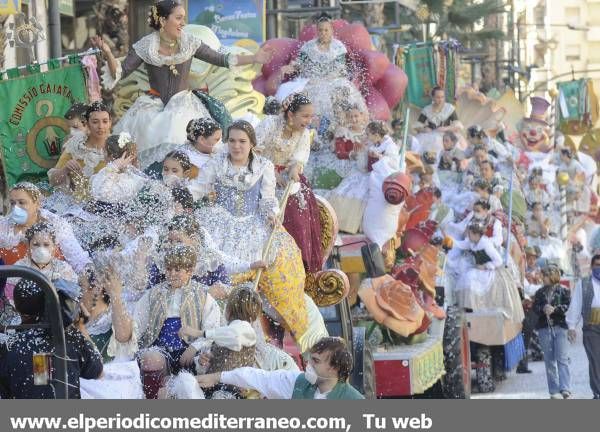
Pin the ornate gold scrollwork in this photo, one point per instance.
(327, 287)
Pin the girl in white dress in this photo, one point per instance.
(178, 172)
(120, 180)
(203, 142)
(486, 285)
(349, 199)
(435, 119)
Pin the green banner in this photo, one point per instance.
(32, 126)
(419, 66)
(572, 100)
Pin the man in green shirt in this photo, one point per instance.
(325, 377)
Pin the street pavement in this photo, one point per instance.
(534, 386)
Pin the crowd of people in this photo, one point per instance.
(160, 228)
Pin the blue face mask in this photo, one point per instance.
(596, 273)
(18, 216)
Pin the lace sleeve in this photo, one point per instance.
(302, 150)
(268, 200)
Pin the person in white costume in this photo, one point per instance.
(322, 73)
(203, 141)
(153, 328)
(25, 211)
(120, 180)
(374, 162)
(435, 119)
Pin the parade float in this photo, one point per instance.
(421, 343)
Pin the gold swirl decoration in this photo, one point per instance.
(232, 87)
(329, 226)
(327, 287)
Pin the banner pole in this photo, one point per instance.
(91, 51)
(404, 140)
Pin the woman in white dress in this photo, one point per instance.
(436, 119)
(241, 222)
(323, 74)
(157, 120)
(82, 156)
(285, 140)
(486, 285)
(349, 199)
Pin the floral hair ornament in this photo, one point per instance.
(154, 12)
(124, 139)
(295, 100)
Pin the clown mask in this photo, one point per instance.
(534, 137)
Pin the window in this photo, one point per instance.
(572, 15)
(593, 15)
(539, 16)
(593, 52)
(572, 52)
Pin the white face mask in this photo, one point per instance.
(310, 374)
(171, 180)
(18, 215)
(41, 255)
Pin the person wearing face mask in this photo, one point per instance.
(481, 215)
(325, 377)
(43, 255)
(585, 307)
(26, 210)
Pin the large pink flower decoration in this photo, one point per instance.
(381, 83)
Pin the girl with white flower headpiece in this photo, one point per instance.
(120, 180)
(157, 120)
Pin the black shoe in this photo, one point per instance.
(524, 370)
